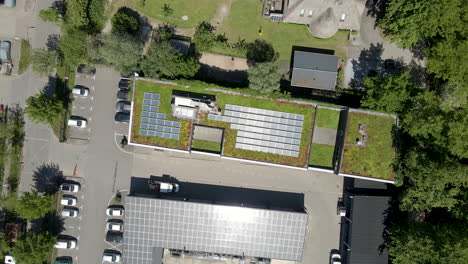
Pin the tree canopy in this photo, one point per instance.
(123, 23)
(163, 59)
(123, 52)
(50, 14)
(264, 77)
(33, 248)
(43, 108)
(260, 51)
(44, 61)
(32, 206)
(204, 37)
(86, 15)
(73, 46)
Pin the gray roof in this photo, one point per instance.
(314, 70)
(366, 230)
(211, 228)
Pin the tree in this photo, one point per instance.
(76, 13)
(4, 246)
(204, 37)
(260, 51)
(32, 206)
(389, 94)
(165, 32)
(264, 77)
(43, 108)
(96, 16)
(123, 52)
(163, 59)
(422, 243)
(44, 61)
(73, 45)
(123, 23)
(435, 181)
(50, 14)
(33, 248)
(167, 10)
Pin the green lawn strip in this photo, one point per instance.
(196, 11)
(3, 156)
(16, 124)
(25, 56)
(198, 144)
(321, 155)
(375, 159)
(327, 118)
(63, 89)
(245, 21)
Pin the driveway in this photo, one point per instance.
(368, 51)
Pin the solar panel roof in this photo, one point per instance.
(211, 228)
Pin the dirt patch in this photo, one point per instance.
(224, 62)
(221, 13)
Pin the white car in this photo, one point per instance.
(80, 90)
(112, 257)
(163, 187)
(70, 187)
(68, 200)
(335, 258)
(77, 122)
(70, 212)
(115, 211)
(114, 225)
(65, 243)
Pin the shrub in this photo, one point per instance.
(123, 23)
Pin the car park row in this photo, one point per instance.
(123, 106)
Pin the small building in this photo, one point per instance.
(364, 242)
(314, 70)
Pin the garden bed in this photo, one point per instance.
(203, 145)
(327, 118)
(321, 156)
(375, 157)
(222, 99)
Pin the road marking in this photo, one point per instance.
(92, 98)
(39, 139)
(82, 107)
(91, 108)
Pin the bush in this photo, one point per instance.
(204, 37)
(73, 46)
(123, 23)
(264, 78)
(50, 14)
(44, 61)
(260, 51)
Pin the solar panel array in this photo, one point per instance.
(210, 228)
(153, 123)
(264, 130)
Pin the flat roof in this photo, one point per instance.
(366, 230)
(314, 70)
(214, 228)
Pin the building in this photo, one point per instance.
(364, 243)
(323, 17)
(314, 70)
(226, 230)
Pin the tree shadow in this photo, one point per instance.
(52, 42)
(376, 9)
(59, 6)
(49, 88)
(369, 64)
(47, 178)
(216, 75)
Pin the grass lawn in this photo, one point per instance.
(196, 10)
(375, 159)
(230, 135)
(321, 155)
(25, 56)
(327, 118)
(198, 144)
(245, 20)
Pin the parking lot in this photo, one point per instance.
(83, 107)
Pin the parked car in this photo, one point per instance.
(70, 212)
(163, 187)
(5, 48)
(122, 94)
(70, 187)
(80, 90)
(124, 84)
(122, 117)
(123, 106)
(64, 260)
(115, 211)
(111, 256)
(76, 121)
(114, 225)
(8, 3)
(66, 243)
(114, 236)
(68, 200)
(335, 258)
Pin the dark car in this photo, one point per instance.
(114, 236)
(64, 260)
(124, 84)
(122, 94)
(123, 106)
(122, 117)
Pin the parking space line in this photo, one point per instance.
(39, 139)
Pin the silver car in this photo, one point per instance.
(5, 48)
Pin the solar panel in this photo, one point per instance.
(155, 96)
(147, 101)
